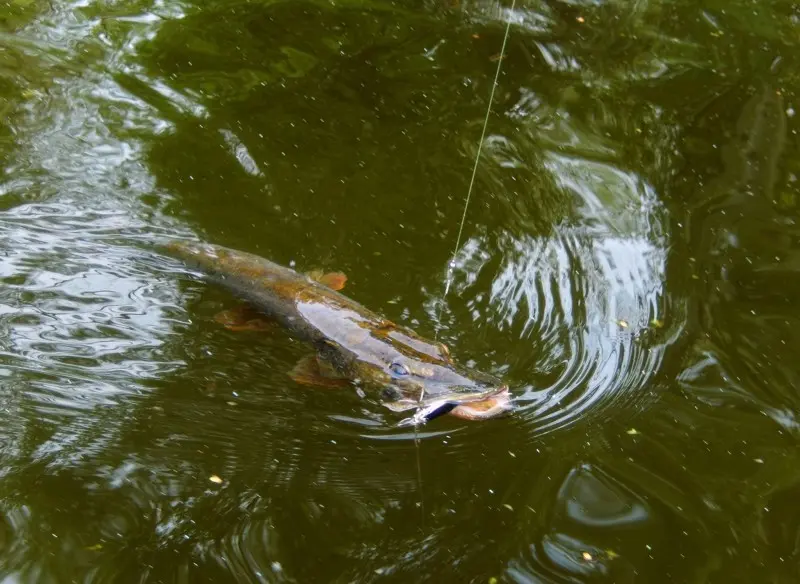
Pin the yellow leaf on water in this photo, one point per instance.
(215, 479)
(632, 432)
(95, 547)
(587, 556)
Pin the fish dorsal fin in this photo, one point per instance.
(333, 280)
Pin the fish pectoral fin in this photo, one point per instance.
(243, 318)
(333, 280)
(311, 370)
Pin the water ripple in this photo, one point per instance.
(587, 296)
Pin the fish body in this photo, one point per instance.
(352, 344)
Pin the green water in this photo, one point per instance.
(630, 264)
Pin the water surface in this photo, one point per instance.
(629, 263)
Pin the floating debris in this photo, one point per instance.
(657, 323)
(632, 432)
(215, 479)
(581, 19)
(587, 556)
(623, 323)
(507, 506)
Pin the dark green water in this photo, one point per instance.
(630, 263)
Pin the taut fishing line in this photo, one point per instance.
(451, 264)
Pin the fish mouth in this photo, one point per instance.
(484, 409)
(475, 406)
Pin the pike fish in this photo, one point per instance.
(351, 344)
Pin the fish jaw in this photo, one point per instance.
(491, 407)
(473, 407)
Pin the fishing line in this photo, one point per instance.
(452, 262)
(419, 479)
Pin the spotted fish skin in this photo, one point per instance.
(351, 343)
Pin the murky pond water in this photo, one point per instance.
(629, 263)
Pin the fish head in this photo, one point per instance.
(411, 381)
(415, 378)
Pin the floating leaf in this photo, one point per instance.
(632, 432)
(215, 479)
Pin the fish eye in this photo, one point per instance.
(399, 369)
